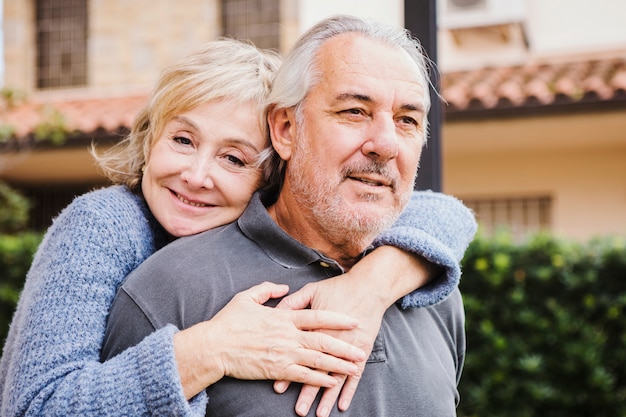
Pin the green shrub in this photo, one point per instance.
(545, 329)
(16, 255)
(17, 248)
(13, 210)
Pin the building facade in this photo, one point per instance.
(534, 95)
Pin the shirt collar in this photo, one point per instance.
(258, 226)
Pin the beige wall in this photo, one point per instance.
(151, 40)
(127, 46)
(55, 166)
(578, 161)
(19, 41)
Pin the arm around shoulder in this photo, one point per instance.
(438, 228)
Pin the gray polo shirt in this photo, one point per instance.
(417, 358)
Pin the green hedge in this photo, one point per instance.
(546, 334)
(545, 328)
(16, 255)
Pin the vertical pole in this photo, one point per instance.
(420, 17)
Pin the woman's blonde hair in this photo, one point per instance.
(224, 69)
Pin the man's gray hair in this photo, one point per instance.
(299, 72)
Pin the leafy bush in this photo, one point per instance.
(545, 329)
(13, 210)
(17, 248)
(16, 255)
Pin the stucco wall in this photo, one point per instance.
(529, 157)
(129, 41)
(152, 39)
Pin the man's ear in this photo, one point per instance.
(282, 130)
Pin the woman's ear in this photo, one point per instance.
(282, 130)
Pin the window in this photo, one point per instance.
(521, 216)
(61, 43)
(254, 20)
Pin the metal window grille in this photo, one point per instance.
(61, 43)
(254, 20)
(521, 216)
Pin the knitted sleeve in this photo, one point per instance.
(439, 228)
(50, 363)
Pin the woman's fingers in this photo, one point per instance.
(263, 292)
(293, 345)
(298, 300)
(322, 320)
(306, 398)
(331, 356)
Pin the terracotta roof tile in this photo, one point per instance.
(81, 115)
(483, 90)
(535, 84)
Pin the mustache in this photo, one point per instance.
(370, 167)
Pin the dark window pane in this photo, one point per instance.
(254, 20)
(61, 43)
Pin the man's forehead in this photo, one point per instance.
(359, 64)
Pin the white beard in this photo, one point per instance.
(316, 193)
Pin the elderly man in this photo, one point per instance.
(348, 122)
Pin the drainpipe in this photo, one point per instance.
(420, 18)
(1, 44)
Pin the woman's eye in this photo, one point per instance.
(182, 140)
(234, 160)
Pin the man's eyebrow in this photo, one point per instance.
(413, 107)
(367, 99)
(353, 96)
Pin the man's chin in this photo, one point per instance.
(373, 216)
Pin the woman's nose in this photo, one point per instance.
(199, 174)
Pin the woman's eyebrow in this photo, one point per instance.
(187, 121)
(234, 140)
(243, 142)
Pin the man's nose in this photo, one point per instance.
(199, 173)
(382, 140)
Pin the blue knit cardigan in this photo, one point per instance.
(50, 363)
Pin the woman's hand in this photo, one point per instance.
(365, 292)
(247, 340)
(339, 294)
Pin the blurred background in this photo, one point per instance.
(530, 132)
(533, 131)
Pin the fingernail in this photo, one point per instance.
(302, 409)
(323, 412)
(343, 405)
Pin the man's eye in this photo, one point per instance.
(409, 120)
(182, 140)
(353, 111)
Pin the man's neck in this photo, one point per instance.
(300, 224)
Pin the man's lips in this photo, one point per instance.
(371, 181)
(373, 174)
